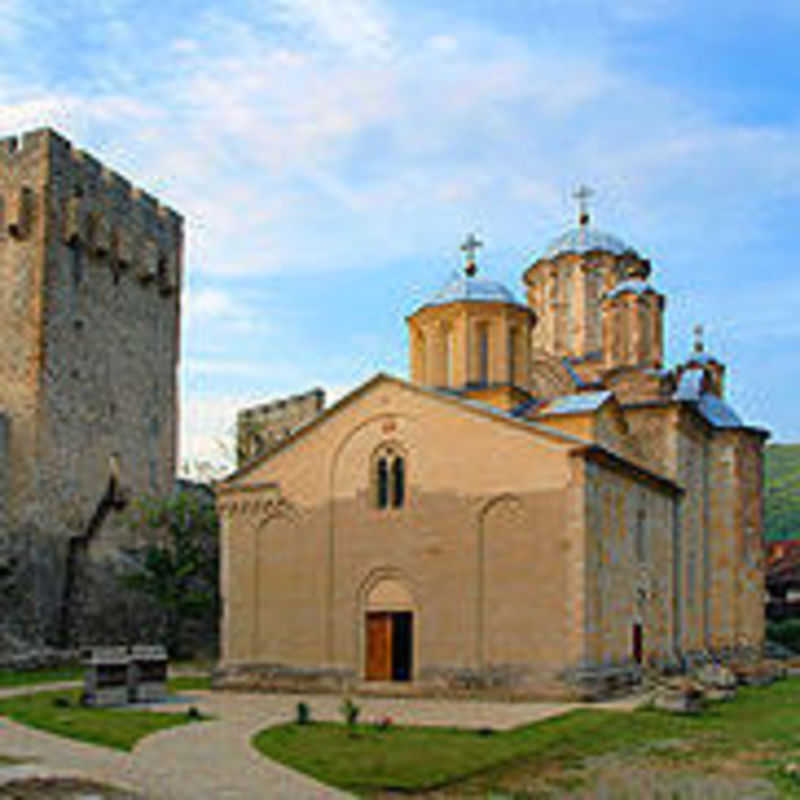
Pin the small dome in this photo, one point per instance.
(464, 287)
(585, 239)
(701, 358)
(634, 285)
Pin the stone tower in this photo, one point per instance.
(90, 277)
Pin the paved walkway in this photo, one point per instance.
(214, 759)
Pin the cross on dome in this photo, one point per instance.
(582, 195)
(698, 339)
(470, 247)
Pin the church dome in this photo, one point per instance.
(463, 287)
(585, 239)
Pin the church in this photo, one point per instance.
(544, 508)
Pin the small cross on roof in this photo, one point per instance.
(582, 195)
(698, 339)
(470, 247)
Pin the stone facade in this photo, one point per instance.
(549, 514)
(90, 299)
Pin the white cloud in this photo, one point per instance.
(358, 26)
(10, 20)
(184, 46)
(208, 426)
(443, 43)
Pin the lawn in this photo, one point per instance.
(12, 677)
(759, 732)
(59, 712)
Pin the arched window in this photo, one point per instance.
(383, 483)
(388, 478)
(398, 482)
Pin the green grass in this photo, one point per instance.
(11, 677)
(189, 683)
(762, 723)
(117, 728)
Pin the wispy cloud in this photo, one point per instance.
(360, 27)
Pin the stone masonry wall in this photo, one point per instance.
(90, 277)
(260, 428)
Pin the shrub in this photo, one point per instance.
(303, 713)
(786, 633)
(350, 711)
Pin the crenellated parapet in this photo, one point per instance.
(88, 207)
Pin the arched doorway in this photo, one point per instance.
(389, 632)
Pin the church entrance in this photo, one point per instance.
(390, 645)
(637, 642)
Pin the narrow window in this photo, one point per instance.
(512, 355)
(691, 570)
(641, 536)
(448, 356)
(483, 353)
(383, 483)
(398, 482)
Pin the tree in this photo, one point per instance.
(178, 567)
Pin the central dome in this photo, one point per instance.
(462, 287)
(585, 239)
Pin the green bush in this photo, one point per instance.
(303, 713)
(786, 633)
(350, 711)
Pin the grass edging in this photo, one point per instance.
(366, 758)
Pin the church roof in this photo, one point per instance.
(575, 444)
(585, 239)
(712, 408)
(462, 287)
(575, 403)
(634, 285)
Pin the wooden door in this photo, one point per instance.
(379, 646)
(637, 642)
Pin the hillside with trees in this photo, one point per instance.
(782, 492)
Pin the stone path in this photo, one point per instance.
(214, 759)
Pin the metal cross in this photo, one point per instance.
(470, 247)
(582, 195)
(698, 338)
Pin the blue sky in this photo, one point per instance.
(330, 155)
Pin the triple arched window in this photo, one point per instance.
(388, 479)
